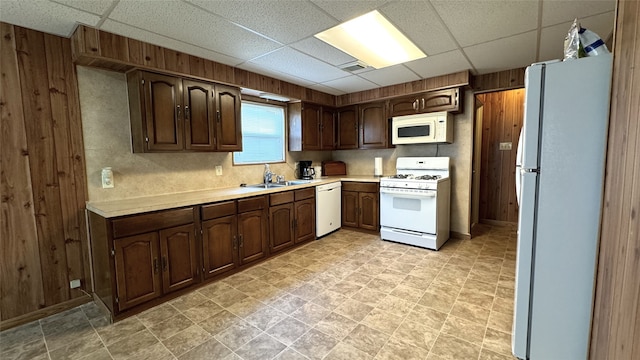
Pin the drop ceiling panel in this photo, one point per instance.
(552, 37)
(350, 84)
(326, 89)
(508, 53)
(419, 22)
(293, 62)
(281, 20)
(153, 38)
(347, 10)
(323, 51)
(560, 11)
(476, 21)
(441, 64)
(45, 16)
(98, 7)
(249, 66)
(189, 24)
(390, 75)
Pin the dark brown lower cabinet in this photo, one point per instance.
(292, 218)
(360, 205)
(153, 254)
(233, 234)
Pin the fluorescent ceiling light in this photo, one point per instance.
(372, 39)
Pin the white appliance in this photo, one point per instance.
(434, 127)
(414, 203)
(328, 208)
(559, 176)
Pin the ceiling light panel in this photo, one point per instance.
(372, 39)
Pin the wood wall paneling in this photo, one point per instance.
(503, 114)
(44, 238)
(616, 320)
(502, 80)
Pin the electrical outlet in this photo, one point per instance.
(218, 170)
(76, 283)
(505, 146)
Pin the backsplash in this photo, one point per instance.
(107, 141)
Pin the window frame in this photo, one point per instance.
(285, 132)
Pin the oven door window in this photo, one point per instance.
(409, 212)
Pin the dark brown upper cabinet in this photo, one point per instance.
(373, 126)
(431, 101)
(171, 114)
(347, 128)
(311, 127)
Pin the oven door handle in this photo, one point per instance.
(431, 193)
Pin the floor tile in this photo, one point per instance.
(288, 330)
(440, 302)
(131, 345)
(497, 341)
(471, 312)
(452, 348)
(186, 340)
(367, 339)
(124, 329)
(238, 334)
(427, 316)
(464, 329)
(210, 349)
(329, 299)
(416, 334)
(354, 309)
(219, 322)
(157, 314)
(382, 321)
(310, 313)
(314, 344)
(76, 348)
(396, 349)
(261, 347)
(344, 351)
(500, 321)
(290, 354)
(202, 311)
(336, 325)
(265, 318)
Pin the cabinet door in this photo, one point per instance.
(404, 106)
(137, 269)
(368, 217)
(219, 245)
(347, 132)
(311, 123)
(199, 115)
(179, 261)
(163, 112)
(442, 100)
(228, 129)
(373, 126)
(350, 208)
(305, 220)
(281, 227)
(252, 236)
(328, 129)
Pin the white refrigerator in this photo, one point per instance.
(559, 180)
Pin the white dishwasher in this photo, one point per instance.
(328, 208)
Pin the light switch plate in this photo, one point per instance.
(73, 284)
(218, 170)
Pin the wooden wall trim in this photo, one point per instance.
(44, 241)
(93, 47)
(458, 79)
(497, 81)
(616, 320)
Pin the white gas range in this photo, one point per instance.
(414, 203)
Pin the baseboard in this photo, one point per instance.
(459, 236)
(498, 222)
(43, 313)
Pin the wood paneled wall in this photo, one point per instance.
(616, 322)
(501, 80)
(44, 240)
(503, 115)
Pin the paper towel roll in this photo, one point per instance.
(377, 167)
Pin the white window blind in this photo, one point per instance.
(262, 134)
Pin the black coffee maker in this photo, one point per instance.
(304, 170)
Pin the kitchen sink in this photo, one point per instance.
(268, 186)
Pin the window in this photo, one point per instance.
(262, 134)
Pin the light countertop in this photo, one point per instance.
(130, 206)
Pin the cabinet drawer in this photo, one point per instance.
(250, 204)
(139, 224)
(359, 186)
(281, 198)
(218, 210)
(305, 193)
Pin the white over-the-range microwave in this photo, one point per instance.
(424, 128)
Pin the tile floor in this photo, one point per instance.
(347, 296)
